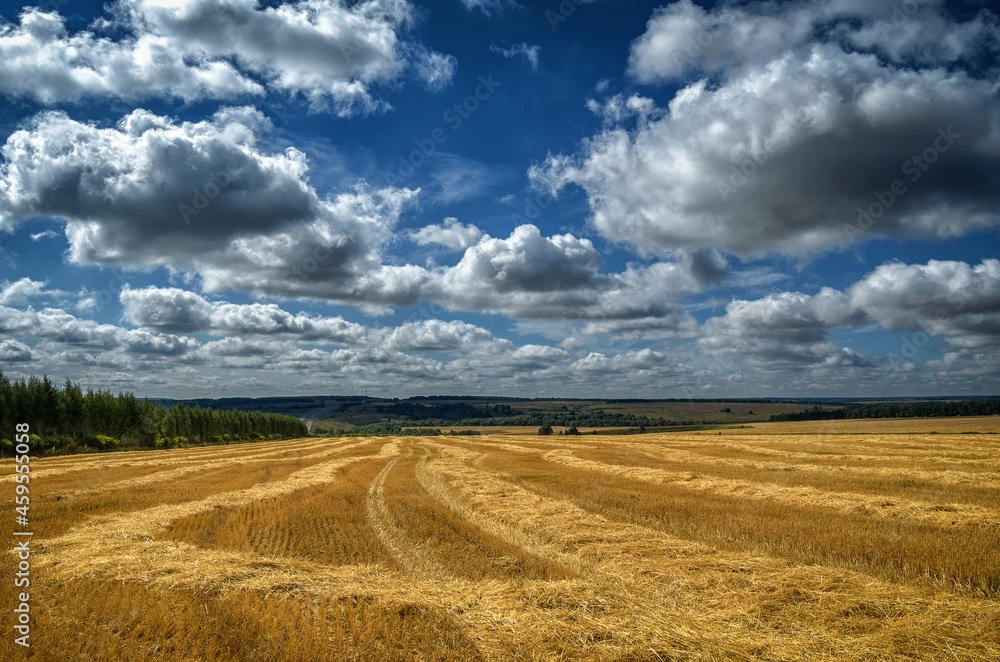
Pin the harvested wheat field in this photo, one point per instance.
(853, 540)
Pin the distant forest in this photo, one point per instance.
(401, 415)
(67, 420)
(895, 410)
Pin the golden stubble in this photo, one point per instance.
(618, 588)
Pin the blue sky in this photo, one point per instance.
(600, 198)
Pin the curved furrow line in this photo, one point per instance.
(195, 467)
(435, 486)
(865, 451)
(955, 477)
(42, 468)
(915, 444)
(512, 615)
(550, 523)
(177, 454)
(802, 445)
(958, 454)
(648, 594)
(118, 531)
(874, 506)
(515, 615)
(524, 447)
(409, 553)
(125, 546)
(505, 617)
(667, 580)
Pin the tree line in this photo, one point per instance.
(895, 410)
(69, 420)
(392, 426)
(401, 414)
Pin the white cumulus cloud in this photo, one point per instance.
(797, 129)
(329, 51)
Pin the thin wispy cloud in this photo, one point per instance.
(522, 50)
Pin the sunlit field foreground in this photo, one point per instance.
(848, 540)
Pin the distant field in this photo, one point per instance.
(357, 413)
(786, 541)
(679, 411)
(950, 425)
